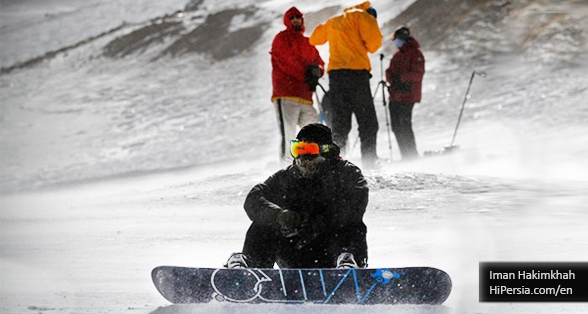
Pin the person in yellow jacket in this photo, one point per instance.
(351, 36)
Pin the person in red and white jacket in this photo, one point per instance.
(296, 68)
(405, 76)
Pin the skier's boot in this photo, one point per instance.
(237, 260)
(346, 261)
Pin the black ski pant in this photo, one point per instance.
(265, 245)
(401, 121)
(350, 93)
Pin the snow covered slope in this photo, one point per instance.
(131, 131)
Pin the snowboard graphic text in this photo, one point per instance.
(251, 284)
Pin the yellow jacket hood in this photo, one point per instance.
(351, 36)
(363, 7)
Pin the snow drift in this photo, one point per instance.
(130, 133)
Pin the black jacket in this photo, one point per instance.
(339, 194)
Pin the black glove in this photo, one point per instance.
(311, 228)
(290, 222)
(404, 87)
(313, 73)
(314, 226)
(398, 85)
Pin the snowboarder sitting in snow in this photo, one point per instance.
(309, 215)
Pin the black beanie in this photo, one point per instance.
(316, 133)
(320, 134)
(402, 33)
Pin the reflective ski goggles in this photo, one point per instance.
(298, 148)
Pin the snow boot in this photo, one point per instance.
(237, 260)
(346, 261)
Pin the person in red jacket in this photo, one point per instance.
(405, 76)
(296, 68)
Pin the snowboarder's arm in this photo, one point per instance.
(258, 206)
(259, 209)
(351, 206)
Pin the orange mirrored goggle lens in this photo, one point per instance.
(303, 148)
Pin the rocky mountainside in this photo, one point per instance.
(539, 30)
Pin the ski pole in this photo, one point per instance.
(384, 86)
(383, 83)
(482, 74)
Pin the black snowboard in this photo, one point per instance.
(411, 285)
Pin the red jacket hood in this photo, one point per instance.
(411, 43)
(293, 11)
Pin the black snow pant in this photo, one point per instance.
(401, 121)
(350, 93)
(265, 245)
